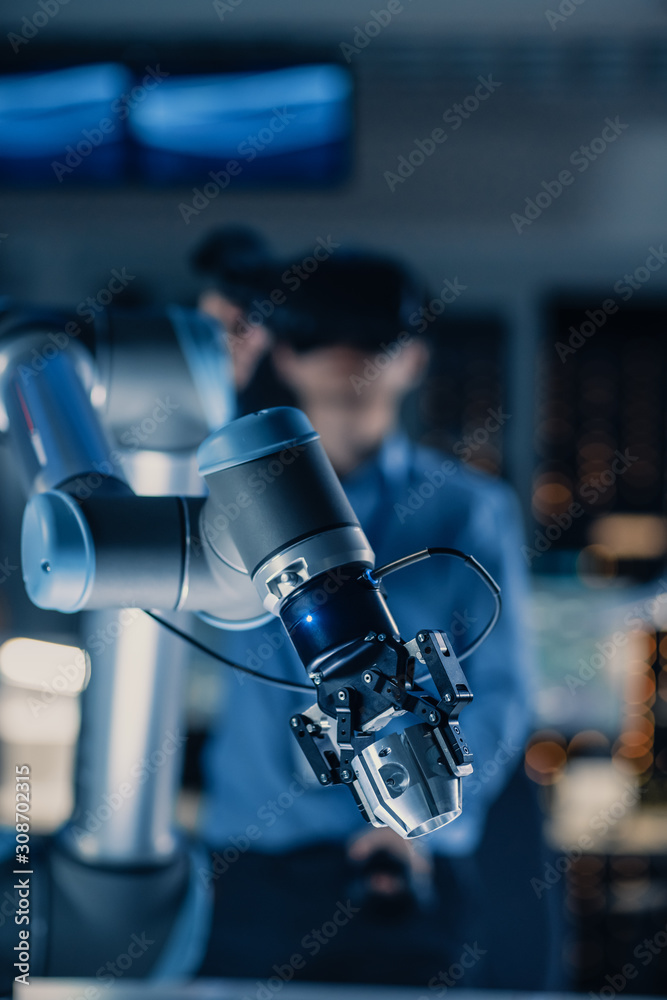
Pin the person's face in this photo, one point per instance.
(351, 396)
(247, 342)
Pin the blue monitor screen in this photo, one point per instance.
(105, 123)
(44, 117)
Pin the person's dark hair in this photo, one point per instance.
(358, 298)
(238, 262)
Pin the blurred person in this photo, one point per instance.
(288, 852)
(235, 265)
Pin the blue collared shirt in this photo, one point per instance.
(259, 786)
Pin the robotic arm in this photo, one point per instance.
(277, 535)
(274, 536)
(313, 567)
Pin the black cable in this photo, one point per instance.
(265, 678)
(470, 561)
(376, 575)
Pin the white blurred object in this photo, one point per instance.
(48, 667)
(40, 717)
(26, 718)
(593, 804)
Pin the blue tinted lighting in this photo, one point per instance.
(265, 128)
(41, 113)
(246, 115)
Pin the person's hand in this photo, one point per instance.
(394, 875)
(382, 839)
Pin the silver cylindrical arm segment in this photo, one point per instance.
(56, 433)
(167, 377)
(131, 742)
(129, 551)
(274, 492)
